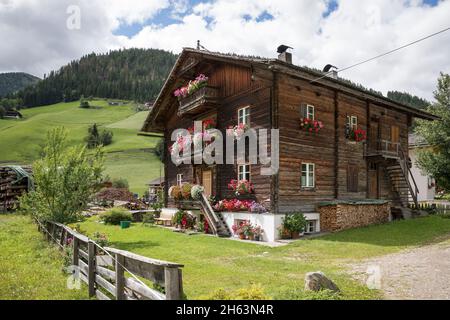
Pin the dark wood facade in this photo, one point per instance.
(275, 92)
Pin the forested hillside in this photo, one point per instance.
(408, 99)
(131, 74)
(15, 81)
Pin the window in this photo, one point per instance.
(179, 179)
(244, 172)
(310, 226)
(307, 111)
(352, 178)
(308, 175)
(352, 122)
(244, 116)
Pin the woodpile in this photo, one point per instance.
(341, 216)
(12, 186)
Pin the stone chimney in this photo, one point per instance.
(283, 55)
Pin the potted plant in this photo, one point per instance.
(239, 230)
(295, 224)
(241, 187)
(258, 231)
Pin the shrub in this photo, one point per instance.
(120, 183)
(2, 112)
(254, 292)
(115, 215)
(96, 138)
(148, 218)
(294, 222)
(84, 103)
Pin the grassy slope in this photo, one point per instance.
(30, 269)
(212, 263)
(21, 140)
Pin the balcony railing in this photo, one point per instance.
(206, 98)
(384, 148)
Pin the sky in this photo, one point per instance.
(42, 35)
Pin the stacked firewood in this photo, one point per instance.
(10, 188)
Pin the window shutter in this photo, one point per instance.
(303, 111)
(352, 178)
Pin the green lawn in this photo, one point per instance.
(30, 269)
(137, 166)
(212, 263)
(21, 140)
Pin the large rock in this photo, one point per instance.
(316, 281)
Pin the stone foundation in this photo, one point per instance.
(342, 215)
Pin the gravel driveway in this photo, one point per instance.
(419, 273)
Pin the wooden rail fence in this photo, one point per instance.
(106, 270)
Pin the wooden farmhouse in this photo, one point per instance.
(357, 159)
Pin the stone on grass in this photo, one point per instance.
(316, 281)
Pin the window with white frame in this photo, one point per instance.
(308, 175)
(244, 172)
(244, 116)
(352, 122)
(310, 226)
(307, 111)
(179, 179)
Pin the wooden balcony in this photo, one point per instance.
(205, 99)
(383, 148)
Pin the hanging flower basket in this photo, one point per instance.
(358, 135)
(238, 131)
(192, 87)
(311, 126)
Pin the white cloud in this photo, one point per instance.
(37, 40)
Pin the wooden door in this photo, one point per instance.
(395, 138)
(207, 182)
(374, 135)
(373, 181)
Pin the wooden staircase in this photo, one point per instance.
(215, 219)
(398, 172)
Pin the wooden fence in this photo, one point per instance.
(435, 207)
(106, 270)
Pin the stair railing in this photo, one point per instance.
(403, 159)
(209, 213)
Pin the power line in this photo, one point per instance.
(384, 54)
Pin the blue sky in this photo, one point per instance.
(166, 17)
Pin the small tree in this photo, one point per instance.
(436, 161)
(65, 180)
(2, 112)
(95, 138)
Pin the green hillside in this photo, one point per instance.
(132, 74)
(14, 81)
(129, 156)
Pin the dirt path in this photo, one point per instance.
(420, 273)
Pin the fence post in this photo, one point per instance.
(172, 283)
(49, 231)
(63, 236)
(76, 251)
(91, 268)
(120, 277)
(54, 232)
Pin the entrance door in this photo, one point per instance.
(373, 181)
(395, 138)
(207, 182)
